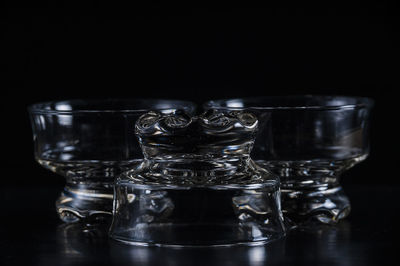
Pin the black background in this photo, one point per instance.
(59, 50)
(55, 51)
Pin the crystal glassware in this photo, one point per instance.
(309, 141)
(89, 142)
(197, 185)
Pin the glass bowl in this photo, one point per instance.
(197, 185)
(309, 141)
(90, 142)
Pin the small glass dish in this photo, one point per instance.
(309, 141)
(197, 185)
(90, 142)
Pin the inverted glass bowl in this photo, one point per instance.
(197, 185)
(309, 141)
(90, 142)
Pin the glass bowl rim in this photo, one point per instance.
(361, 102)
(47, 106)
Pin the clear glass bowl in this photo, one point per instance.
(309, 141)
(197, 185)
(90, 142)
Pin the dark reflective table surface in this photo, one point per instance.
(31, 234)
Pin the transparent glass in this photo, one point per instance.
(89, 142)
(309, 141)
(197, 185)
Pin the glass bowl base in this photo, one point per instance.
(84, 202)
(307, 205)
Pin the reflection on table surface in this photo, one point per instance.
(31, 234)
(80, 241)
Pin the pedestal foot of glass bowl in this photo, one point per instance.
(179, 216)
(306, 205)
(85, 202)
